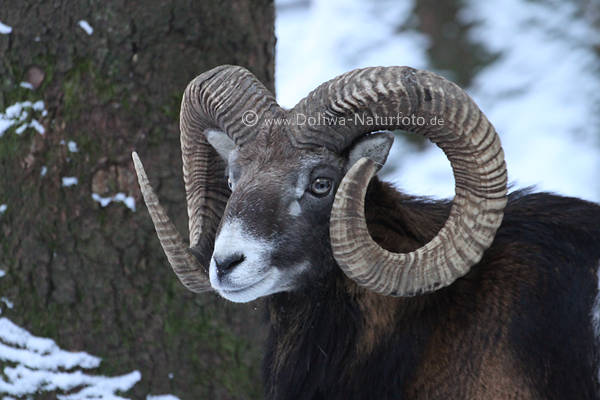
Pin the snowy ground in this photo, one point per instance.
(34, 365)
(542, 94)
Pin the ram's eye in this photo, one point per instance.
(320, 186)
(229, 183)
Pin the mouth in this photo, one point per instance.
(244, 288)
(250, 292)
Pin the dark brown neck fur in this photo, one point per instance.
(313, 330)
(516, 326)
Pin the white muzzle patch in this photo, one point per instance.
(253, 277)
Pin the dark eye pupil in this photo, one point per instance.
(321, 185)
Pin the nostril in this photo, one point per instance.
(226, 264)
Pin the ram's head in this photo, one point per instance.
(276, 197)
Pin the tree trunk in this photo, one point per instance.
(94, 277)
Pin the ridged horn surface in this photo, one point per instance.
(186, 266)
(217, 99)
(464, 134)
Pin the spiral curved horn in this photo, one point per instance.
(461, 131)
(186, 267)
(217, 100)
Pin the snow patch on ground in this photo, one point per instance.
(37, 126)
(5, 29)
(7, 302)
(72, 146)
(26, 85)
(35, 364)
(129, 201)
(162, 397)
(19, 114)
(69, 181)
(83, 24)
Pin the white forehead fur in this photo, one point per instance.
(301, 185)
(294, 209)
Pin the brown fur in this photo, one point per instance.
(517, 326)
(379, 315)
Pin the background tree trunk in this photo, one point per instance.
(94, 278)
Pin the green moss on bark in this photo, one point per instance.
(94, 278)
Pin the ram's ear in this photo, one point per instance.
(220, 142)
(374, 146)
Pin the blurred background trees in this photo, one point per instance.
(533, 66)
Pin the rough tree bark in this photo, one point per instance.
(94, 278)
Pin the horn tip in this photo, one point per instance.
(137, 163)
(139, 170)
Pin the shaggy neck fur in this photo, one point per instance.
(518, 325)
(316, 330)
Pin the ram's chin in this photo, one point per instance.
(241, 287)
(263, 287)
(248, 282)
